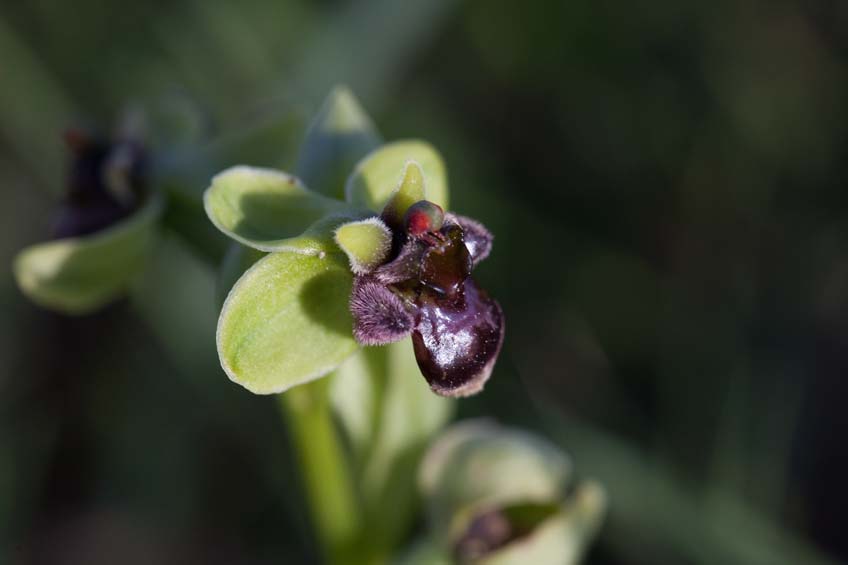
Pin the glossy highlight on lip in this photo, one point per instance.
(457, 340)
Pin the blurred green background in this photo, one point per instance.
(666, 182)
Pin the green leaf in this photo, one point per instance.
(390, 414)
(286, 321)
(379, 174)
(175, 296)
(81, 274)
(340, 135)
(263, 208)
(366, 243)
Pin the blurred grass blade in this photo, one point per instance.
(336, 54)
(33, 109)
(651, 505)
(81, 274)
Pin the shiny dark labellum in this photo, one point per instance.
(427, 290)
(457, 339)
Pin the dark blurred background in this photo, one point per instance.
(666, 181)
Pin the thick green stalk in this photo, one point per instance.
(324, 468)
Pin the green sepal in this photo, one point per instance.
(316, 240)
(410, 190)
(366, 243)
(286, 321)
(377, 176)
(339, 136)
(78, 275)
(264, 208)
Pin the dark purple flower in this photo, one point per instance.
(105, 184)
(426, 290)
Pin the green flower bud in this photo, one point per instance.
(498, 495)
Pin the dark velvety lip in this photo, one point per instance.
(427, 290)
(457, 340)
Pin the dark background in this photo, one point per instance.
(666, 182)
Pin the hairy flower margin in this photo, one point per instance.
(406, 263)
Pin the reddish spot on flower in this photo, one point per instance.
(423, 217)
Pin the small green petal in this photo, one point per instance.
(410, 190)
(373, 182)
(340, 135)
(367, 243)
(81, 274)
(286, 322)
(262, 208)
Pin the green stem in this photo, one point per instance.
(324, 468)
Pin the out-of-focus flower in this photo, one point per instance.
(106, 183)
(103, 231)
(499, 495)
